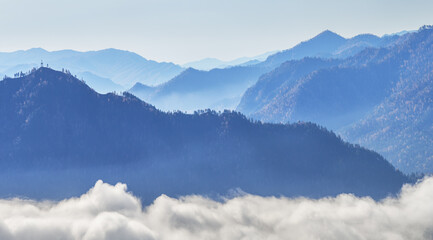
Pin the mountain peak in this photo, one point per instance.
(329, 34)
(140, 87)
(37, 50)
(46, 71)
(61, 88)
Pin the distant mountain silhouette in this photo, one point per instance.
(211, 63)
(205, 64)
(331, 45)
(102, 85)
(194, 90)
(122, 67)
(372, 90)
(146, 91)
(57, 132)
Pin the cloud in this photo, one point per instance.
(110, 212)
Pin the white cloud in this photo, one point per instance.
(110, 212)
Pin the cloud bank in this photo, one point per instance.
(110, 212)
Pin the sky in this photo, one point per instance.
(186, 30)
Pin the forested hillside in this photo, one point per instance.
(379, 98)
(401, 127)
(56, 131)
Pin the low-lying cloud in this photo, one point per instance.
(110, 212)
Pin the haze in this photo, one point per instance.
(182, 31)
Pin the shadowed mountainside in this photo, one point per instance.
(379, 98)
(57, 132)
(401, 126)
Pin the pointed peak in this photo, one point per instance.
(328, 33)
(139, 85)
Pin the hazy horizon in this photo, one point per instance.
(270, 52)
(186, 31)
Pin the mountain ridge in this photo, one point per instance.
(218, 85)
(49, 138)
(358, 97)
(120, 66)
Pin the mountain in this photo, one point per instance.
(205, 64)
(377, 98)
(194, 89)
(146, 91)
(401, 126)
(121, 67)
(100, 84)
(401, 33)
(211, 63)
(57, 132)
(335, 96)
(331, 45)
(269, 84)
(323, 45)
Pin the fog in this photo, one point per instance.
(111, 212)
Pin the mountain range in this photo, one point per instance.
(105, 70)
(373, 91)
(379, 98)
(223, 88)
(112, 70)
(211, 63)
(48, 138)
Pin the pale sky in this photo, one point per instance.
(188, 30)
